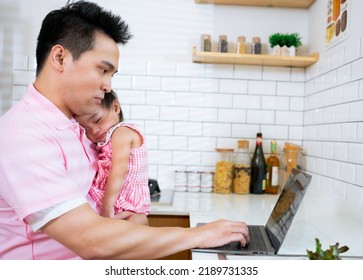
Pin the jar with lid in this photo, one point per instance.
(242, 168)
(291, 158)
(241, 45)
(205, 43)
(256, 47)
(223, 177)
(223, 44)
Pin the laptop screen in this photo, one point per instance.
(286, 206)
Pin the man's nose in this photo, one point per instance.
(107, 85)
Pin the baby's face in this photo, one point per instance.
(97, 125)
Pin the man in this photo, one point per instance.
(47, 164)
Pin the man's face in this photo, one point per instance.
(87, 79)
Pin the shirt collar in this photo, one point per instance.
(48, 109)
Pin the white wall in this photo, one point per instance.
(189, 109)
(167, 29)
(333, 128)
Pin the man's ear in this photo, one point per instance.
(57, 55)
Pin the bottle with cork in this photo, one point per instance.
(256, 47)
(205, 43)
(223, 44)
(241, 45)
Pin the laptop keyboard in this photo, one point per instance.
(257, 241)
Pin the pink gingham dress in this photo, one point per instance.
(135, 193)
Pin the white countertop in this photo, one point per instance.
(319, 216)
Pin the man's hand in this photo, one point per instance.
(221, 232)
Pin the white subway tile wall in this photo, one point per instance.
(332, 121)
(187, 110)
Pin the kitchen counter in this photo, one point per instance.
(319, 216)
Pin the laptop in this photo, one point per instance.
(267, 240)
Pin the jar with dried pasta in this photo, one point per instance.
(223, 177)
(242, 168)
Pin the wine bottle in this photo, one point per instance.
(274, 163)
(258, 168)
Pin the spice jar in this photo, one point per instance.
(242, 168)
(205, 43)
(291, 158)
(241, 45)
(223, 177)
(223, 44)
(256, 47)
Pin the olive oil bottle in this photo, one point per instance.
(273, 164)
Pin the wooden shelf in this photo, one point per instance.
(254, 59)
(267, 3)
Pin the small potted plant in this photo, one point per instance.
(277, 41)
(285, 44)
(333, 253)
(293, 41)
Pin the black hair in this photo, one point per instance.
(74, 26)
(107, 103)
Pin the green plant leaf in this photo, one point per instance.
(279, 39)
(333, 253)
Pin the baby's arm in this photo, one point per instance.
(121, 144)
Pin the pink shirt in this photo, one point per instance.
(46, 160)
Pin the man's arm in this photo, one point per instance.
(96, 237)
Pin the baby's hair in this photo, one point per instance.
(107, 102)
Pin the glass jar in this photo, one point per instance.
(223, 177)
(256, 47)
(291, 158)
(223, 44)
(242, 168)
(205, 43)
(241, 45)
